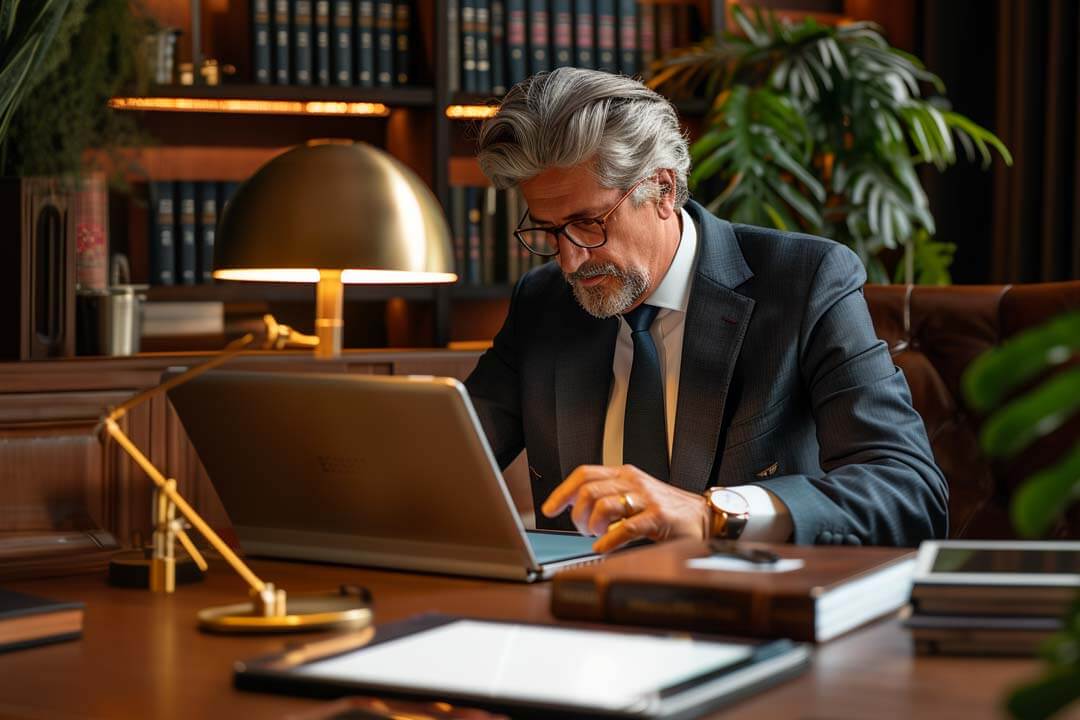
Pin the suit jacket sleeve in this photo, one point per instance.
(495, 390)
(880, 484)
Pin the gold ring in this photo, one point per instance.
(628, 505)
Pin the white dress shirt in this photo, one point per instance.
(770, 519)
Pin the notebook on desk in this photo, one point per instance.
(385, 471)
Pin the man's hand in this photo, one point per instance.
(623, 503)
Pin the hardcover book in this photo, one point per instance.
(562, 33)
(628, 45)
(384, 43)
(365, 43)
(516, 44)
(539, 42)
(498, 47)
(342, 39)
(322, 42)
(402, 41)
(453, 45)
(483, 47)
(302, 46)
(584, 31)
(162, 234)
(186, 258)
(807, 593)
(282, 31)
(207, 230)
(27, 621)
(605, 36)
(468, 46)
(260, 29)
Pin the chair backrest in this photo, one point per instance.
(934, 333)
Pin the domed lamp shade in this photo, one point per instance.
(334, 213)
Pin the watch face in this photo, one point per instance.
(729, 501)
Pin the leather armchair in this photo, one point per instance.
(934, 333)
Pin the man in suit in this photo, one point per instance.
(675, 375)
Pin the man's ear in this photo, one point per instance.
(665, 204)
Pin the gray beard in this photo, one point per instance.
(602, 302)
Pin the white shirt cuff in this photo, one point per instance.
(770, 519)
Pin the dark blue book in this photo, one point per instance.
(468, 46)
(457, 223)
(628, 44)
(342, 19)
(301, 41)
(517, 47)
(606, 46)
(562, 34)
(453, 45)
(402, 41)
(322, 42)
(474, 260)
(187, 250)
(584, 34)
(498, 47)
(207, 229)
(384, 43)
(162, 233)
(260, 45)
(539, 41)
(225, 192)
(282, 33)
(483, 47)
(365, 43)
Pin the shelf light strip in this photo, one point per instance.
(275, 107)
(471, 112)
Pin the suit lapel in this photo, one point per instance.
(582, 386)
(716, 322)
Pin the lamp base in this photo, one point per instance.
(131, 568)
(347, 609)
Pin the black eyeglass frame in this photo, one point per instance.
(558, 230)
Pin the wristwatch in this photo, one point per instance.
(729, 511)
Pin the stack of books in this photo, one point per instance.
(991, 597)
(183, 225)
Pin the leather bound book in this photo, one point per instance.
(808, 593)
(26, 620)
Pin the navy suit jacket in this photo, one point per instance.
(783, 384)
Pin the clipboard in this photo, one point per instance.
(529, 669)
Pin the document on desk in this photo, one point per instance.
(512, 666)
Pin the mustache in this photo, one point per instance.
(585, 272)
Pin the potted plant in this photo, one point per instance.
(1014, 423)
(822, 129)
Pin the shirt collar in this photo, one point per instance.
(673, 292)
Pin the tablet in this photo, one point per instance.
(530, 669)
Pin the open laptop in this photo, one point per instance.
(369, 470)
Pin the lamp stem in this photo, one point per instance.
(169, 490)
(329, 298)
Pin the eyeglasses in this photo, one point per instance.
(587, 233)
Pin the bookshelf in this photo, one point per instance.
(224, 132)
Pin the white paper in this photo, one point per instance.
(732, 564)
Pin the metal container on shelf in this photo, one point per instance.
(110, 320)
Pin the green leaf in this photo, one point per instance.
(1046, 697)
(1038, 413)
(1041, 500)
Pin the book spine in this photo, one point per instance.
(301, 39)
(666, 29)
(365, 43)
(539, 42)
(682, 607)
(483, 47)
(225, 192)
(260, 31)
(384, 43)
(647, 37)
(473, 261)
(628, 46)
(187, 253)
(487, 235)
(605, 35)
(468, 46)
(207, 230)
(322, 42)
(162, 234)
(282, 74)
(402, 41)
(562, 34)
(343, 44)
(516, 45)
(584, 30)
(498, 47)
(453, 45)
(457, 217)
(513, 213)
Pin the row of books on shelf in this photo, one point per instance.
(355, 43)
(183, 222)
(497, 43)
(485, 249)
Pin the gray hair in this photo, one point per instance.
(569, 116)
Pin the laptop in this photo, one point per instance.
(382, 471)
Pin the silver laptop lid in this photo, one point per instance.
(387, 471)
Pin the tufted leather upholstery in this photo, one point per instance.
(934, 333)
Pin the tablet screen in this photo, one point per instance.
(1027, 561)
(534, 663)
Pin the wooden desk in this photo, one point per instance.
(141, 655)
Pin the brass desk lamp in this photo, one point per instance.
(328, 212)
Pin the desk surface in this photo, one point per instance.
(141, 655)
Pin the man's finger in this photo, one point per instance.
(564, 494)
(604, 511)
(623, 531)
(588, 495)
